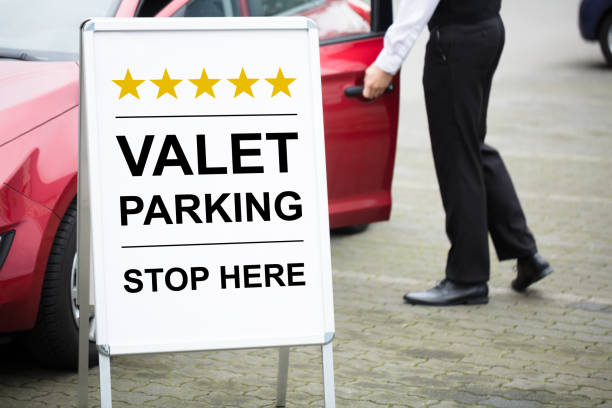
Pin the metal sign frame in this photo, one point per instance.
(86, 223)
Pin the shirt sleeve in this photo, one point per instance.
(411, 18)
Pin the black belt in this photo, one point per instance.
(442, 21)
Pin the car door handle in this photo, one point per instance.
(356, 91)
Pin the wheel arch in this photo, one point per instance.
(66, 196)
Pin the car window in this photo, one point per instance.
(335, 18)
(45, 29)
(209, 8)
(149, 8)
(282, 7)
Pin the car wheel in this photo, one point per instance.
(605, 38)
(350, 230)
(54, 340)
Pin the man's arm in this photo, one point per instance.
(411, 18)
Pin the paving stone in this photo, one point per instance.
(6, 402)
(595, 393)
(56, 399)
(603, 384)
(20, 393)
(359, 403)
(498, 402)
(441, 394)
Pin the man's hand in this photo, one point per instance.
(375, 82)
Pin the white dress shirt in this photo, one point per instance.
(411, 18)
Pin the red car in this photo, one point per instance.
(39, 136)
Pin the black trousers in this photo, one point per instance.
(477, 192)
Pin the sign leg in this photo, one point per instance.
(83, 275)
(283, 375)
(328, 375)
(83, 296)
(83, 250)
(106, 398)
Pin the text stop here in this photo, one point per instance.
(229, 277)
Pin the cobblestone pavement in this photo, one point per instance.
(551, 117)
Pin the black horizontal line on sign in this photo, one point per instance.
(204, 116)
(214, 243)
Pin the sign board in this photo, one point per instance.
(207, 183)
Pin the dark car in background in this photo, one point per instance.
(595, 21)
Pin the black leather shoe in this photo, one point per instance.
(449, 293)
(529, 270)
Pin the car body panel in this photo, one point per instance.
(592, 13)
(42, 164)
(24, 268)
(34, 93)
(38, 162)
(33, 196)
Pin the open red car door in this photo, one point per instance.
(360, 135)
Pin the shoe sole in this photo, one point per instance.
(483, 300)
(521, 288)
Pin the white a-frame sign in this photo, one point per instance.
(202, 189)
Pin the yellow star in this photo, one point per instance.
(280, 83)
(204, 84)
(166, 84)
(243, 84)
(128, 85)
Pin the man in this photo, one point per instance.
(465, 44)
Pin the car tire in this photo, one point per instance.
(54, 341)
(605, 38)
(350, 230)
